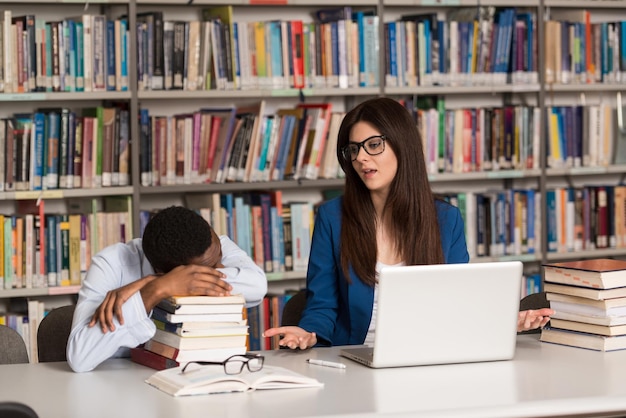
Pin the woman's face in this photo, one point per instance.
(376, 171)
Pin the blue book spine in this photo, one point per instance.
(48, 69)
(622, 45)
(530, 220)
(80, 57)
(40, 128)
(362, 67)
(464, 46)
(51, 249)
(278, 244)
(393, 58)
(226, 201)
(71, 150)
(54, 133)
(553, 243)
(285, 143)
(428, 44)
(124, 55)
(72, 57)
(266, 209)
(236, 60)
(145, 142)
(110, 55)
(441, 34)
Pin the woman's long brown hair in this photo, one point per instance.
(414, 226)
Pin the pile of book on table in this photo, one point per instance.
(589, 300)
(194, 328)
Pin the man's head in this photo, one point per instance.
(177, 236)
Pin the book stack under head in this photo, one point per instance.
(194, 328)
(589, 300)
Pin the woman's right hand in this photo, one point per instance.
(293, 337)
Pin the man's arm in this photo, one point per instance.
(242, 273)
(88, 346)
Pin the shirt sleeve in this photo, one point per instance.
(242, 273)
(89, 346)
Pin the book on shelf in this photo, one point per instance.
(607, 330)
(583, 340)
(193, 343)
(205, 380)
(186, 355)
(595, 273)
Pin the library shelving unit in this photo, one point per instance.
(538, 93)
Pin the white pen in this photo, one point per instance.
(326, 363)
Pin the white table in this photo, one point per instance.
(542, 380)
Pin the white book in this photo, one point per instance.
(8, 53)
(205, 380)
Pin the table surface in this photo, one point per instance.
(542, 380)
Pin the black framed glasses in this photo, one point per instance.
(373, 145)
(234, 364)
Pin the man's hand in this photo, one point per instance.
(189, 280)
(293, 337)
(112, 304)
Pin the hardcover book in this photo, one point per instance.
(596, 273)
(183, 356)
(583, 340)
(196, 343)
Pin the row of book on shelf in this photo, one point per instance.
(509, 137)
(584, 47)
(338, 48)
(276, 234)
(41, 250)
(57, 148)
(589, 299)
(220, 53)
(240, 144)
(507, 222)
(82, 53)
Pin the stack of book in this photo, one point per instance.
(589, 300)
(194, 328)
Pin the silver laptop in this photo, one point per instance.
(445, 313)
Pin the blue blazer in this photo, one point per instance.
(328, 290)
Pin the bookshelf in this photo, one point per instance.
(168, 103)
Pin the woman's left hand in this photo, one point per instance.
(533, 318)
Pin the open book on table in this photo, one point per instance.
(205, 380)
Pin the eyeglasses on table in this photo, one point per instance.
(234, 364)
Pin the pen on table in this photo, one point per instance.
(326, 363)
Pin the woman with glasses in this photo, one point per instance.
(387, 216)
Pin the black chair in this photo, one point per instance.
(12, 347)
(53, 333)
(16, 410)
(534, 301)
(292, 311)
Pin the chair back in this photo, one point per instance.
(12, 347)
(16, 410)
(293, 308)
(53, 333)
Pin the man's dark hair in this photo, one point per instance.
(175, 236)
